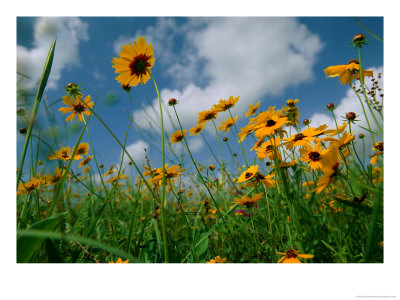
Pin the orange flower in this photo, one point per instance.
(224, 105)
(217, 260)
(347, 73)
(291, 256)
(77, 106)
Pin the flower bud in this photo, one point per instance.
(21, 112)
(225, 139)
(330, 106)
(172, 102)
(358, 38)
(22, 130)
(126, 87)
(211, 167)
(361, 136)
(350, 116)
(306, 122)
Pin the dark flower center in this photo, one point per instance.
(248, 175)
(139, 64)
(269, 148)
(270, 123)
(291, 254)
(314, 156)
(79, 107)
(298, 137)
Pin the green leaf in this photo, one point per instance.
(328, 246)
(201, 244)
(27, 245)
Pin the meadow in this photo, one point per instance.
(307, 197)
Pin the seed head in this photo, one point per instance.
(350, 116)
(172, 102)
(330, 106)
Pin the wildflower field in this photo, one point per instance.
(298, 194)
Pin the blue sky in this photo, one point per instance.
(198, 61)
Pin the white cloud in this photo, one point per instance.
(136, 151)
(69, 32)
(249, 57)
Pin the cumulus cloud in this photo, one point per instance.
(246, 57)
(136, 151)
(69, 32)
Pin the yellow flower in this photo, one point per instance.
(63, 154)
(77, 106)
(329, 165)
(347, 73)
(171, 172)
(134, 63)
(227, 124)
(207, 115)
(116, 177)
(110, 170)
(291, 256)
(248, 174)
(345, 139)
(28, 187)
(217, 260)
(224, 105)
(267, 122)
(83, 149)
(312, 156)
(247, 201)
(52, 180)
(85, 162)
(120, 261)
(197, 129)
(177, 136)
(269, 148)
(252, 109)
(305, 137)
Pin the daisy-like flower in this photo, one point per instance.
(30, 186)
(217, 260)
(63, 154)
(76, 106)
(313, 156)
(120, 261)
(110, 170)
(269, 148)
(305, 137)
(245, 131)
(329, 165)
(197, 129)
(267, 122)
(347, 73)
(85, 161)
(248, 174)
(227, 124)
(171, 172)
(339, 130)
(224, 105)
(292, 256)
(83, 149)
(252, 109)
(134, 63)
(116, 177)
(344, 140)
(207, 115)
(54, 179)
(177, 136)
(247, 201)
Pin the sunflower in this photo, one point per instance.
(347, 73)
(224, 105)
(291, 256)
(227, 124)
(312, 156)
(252, 109)
(197, 129)
(77, 106)
(207, 115)
(217, 260)
(248, 174)
(177, 136)
(247, 201)
(134, 63)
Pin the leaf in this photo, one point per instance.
(201, 244)
(328, 246)
(27, 246)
